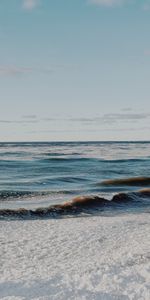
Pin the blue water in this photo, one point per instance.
(33, 174)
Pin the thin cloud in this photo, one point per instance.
(6, 121)
(126, 116)
(110, 119)
(18, 121)
(51, 119)
(103, 120)
(30, 4)
(146, 5)
(108, 3)
(16, 71)
(90, 130)
(33, 117)
(13, 70)
(127, 109)
(147, 52)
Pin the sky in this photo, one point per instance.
(74, 70)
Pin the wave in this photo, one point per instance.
(70, 179)
(16, 194)
(66, 159)
(133, 181)
(13, 195)
(126, 160)
(82, 204)
(60, 154)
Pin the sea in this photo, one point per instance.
(43, 174)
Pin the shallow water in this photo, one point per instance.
(42, 174)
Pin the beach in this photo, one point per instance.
(98, 257)
(74, 221)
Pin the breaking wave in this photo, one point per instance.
(133, 181)
(83, 204)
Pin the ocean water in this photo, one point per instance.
(40, 174)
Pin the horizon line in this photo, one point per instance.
(79, 141)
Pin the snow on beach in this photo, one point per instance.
(96, 257)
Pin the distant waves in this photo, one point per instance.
(42, 174)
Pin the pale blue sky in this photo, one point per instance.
(74, 70)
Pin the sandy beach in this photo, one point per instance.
(95, 257)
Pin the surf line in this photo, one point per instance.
(78, 205)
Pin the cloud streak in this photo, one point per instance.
(107, 3)
(30, 4)
(112, 118)
(126, 116)
(30, 117)
(13, 70)
(16, 71)
(106, 119)
(18, 121)
(146, 5)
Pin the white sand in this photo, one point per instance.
(77, 258)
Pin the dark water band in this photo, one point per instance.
(133, 181)
(81, 204)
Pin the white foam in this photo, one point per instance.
(76, 258)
